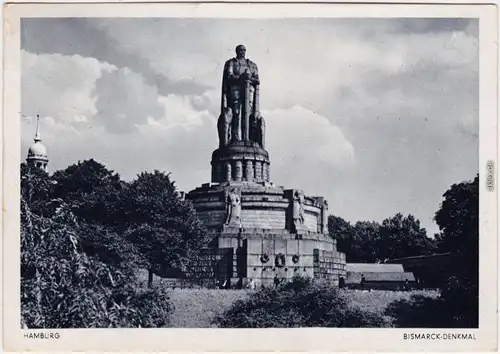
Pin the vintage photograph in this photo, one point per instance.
(294, 173)
(176, 177)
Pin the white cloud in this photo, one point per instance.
(305, 137)
(123, 100)
(59, 86)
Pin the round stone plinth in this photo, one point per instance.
(265, 240)
(261, 206)
(240, 161)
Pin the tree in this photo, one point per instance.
(92, 191)
(63, 287)
(37, 190)
(369, 241)
(356, 241)
(366, 235)
(343, 232)
(400, 237)
(111, 247)
(163, 227)
(94, 195)
(458, 221)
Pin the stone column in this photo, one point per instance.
(238, 171)
(268, 173)
(258, 171)
(264, 171)
(249, 175)
(217, 168)
(228, 171)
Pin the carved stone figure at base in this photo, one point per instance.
(298, 210)
(258, 130)
(324, 216)
(224, 127)
(261, 129)
(233, 207)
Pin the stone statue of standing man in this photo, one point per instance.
(233, 207)
(240, 118)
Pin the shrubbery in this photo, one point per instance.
(299, 303)
(64, 287)
(84, 235)
(458, 220)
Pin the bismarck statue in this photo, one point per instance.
(258, 230)
(241, 156)
(240, 119)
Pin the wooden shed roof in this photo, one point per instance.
(374, 267)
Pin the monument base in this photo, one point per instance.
(267, 243)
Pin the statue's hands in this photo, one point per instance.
(246, 75)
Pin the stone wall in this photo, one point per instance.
(213, 263)
(269, 219)
(263, 205)
(264, 258)
(301, 257)
(212, 218)
(329, 265)
(311, 221)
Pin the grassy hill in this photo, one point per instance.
(196, 308)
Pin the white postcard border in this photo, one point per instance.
(291, 340)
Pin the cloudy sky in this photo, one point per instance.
(378, 115)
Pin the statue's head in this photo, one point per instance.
(241, 51)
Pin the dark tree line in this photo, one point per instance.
(458, 220)
(399, 236)
(371, 242)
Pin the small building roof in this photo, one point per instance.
(374, 268)
(354, 277)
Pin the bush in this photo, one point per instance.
(299, 303)
(63, 287)
(418, 312)
(458, 220)
(460, 297)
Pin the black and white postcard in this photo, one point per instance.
(250, 177)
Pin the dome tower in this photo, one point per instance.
(37, 153)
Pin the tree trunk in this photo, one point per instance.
(150, 277)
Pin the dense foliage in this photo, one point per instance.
(164, 227)
(79, 256)
(458, 220)
(63, 287)
(370, 242)
(299, 303)
(398, 237)
(92, 191)
(85, 233)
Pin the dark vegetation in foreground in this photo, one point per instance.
(85, 233)
(299, 303)
(201, 307)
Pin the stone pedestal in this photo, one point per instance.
(268, 241)
(240, 161)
